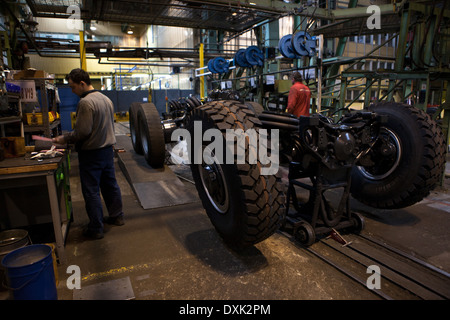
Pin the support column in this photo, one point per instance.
(334, 69)
(401, 49)
(271, 40)
(202, 64)
(82, 51)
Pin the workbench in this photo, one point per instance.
(18, 175)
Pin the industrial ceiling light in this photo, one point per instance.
(126, 28)
(92, 26)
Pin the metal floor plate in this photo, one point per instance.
(155, 188)
(119, 289)
(163, 193)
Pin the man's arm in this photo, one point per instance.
(82, 129)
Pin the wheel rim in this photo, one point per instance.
(358, 221)
(214, 184)
(305, 234)
(302, 236)
(385, 165)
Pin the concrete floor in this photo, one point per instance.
(175, 253)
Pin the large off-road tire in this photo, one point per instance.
(152, 134)
(134, 128)
(407, 166)
(255, 107)
(193, 102)
(244, 206)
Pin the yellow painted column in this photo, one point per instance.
(82, 52)
(202, 79)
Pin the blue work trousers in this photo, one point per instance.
(97, 174)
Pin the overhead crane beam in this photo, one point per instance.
(353, 12)
(270, 6)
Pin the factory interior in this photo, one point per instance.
(246, 153)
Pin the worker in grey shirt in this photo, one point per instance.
(93, 136)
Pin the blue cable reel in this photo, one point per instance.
(240, 59)
(218, 65)
(304, 44)
(254, 56)
(221, 65)
(285, 47)
(211, 66)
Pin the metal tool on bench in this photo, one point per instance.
(45, 148)
(52, 153)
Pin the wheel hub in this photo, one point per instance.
(214, 184)
(386, 156)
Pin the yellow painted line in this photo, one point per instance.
(115, 271)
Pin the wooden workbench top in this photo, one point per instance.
(24, 165)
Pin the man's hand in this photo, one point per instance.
(59, 140)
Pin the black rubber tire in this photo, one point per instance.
(191, 104)
(359, 222)
(305, 234)
(172, 106)
(420, 165)
(254, 205)
(196, 101)
(255, 107)
(152, 134)
(134, 128)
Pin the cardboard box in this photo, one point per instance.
(30, 73)
(13, 146)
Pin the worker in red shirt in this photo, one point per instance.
(299, 97)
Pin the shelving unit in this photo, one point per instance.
(47, 103)
(12, 97)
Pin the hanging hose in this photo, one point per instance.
(329, 217)
(279, 121)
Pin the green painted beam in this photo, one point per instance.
(360, 12)
(401, 48)
(426, 9)
(387, 75)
